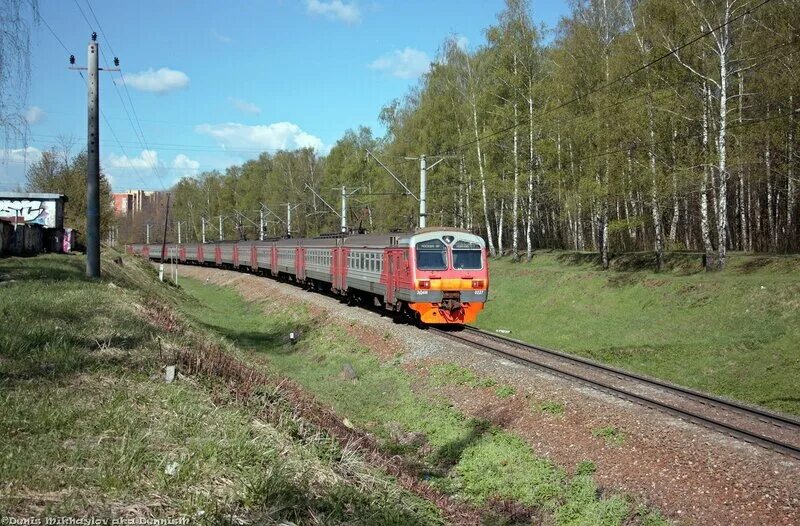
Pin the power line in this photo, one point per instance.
(139, 132)
(113, 133)
(51, 30)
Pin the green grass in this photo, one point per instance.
(89, 427)
(553, 408)
(467, 458)
(611, 435)
(453, 374)
(505, 391)
(734, 333)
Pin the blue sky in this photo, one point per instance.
(214, 83)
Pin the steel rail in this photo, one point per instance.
(705, 398)
(691, 416)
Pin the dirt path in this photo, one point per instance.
(693, 475)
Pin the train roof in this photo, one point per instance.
(402, 239)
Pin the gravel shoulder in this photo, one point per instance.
(692, 474)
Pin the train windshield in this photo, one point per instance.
(431, 255)
(466, 256)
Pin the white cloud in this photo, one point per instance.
(20, 155)
(34, 114)
(268, 137)
(335, 10)
(183, 166)
(222, 38)
(407, 63)
(146, 160)
(160, 81)
(243, 105)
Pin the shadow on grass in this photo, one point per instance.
(683, 263)
(579, 258)
(450, 454)
(62, 355)
(274, 341)
(47, 267)
(253, 340)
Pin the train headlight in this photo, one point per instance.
(424, 284)
(477, 284)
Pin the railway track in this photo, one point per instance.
(751, 424)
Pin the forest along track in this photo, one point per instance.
(751, 424)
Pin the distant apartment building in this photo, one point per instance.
(131, 202)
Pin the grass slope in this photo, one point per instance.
(467, 458)
(88, 427)
(734, 333)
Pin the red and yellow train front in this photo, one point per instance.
(450, 276)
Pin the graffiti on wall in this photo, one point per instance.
(31, 211)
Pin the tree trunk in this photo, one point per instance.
(722, 204)
(528, 227)
(500, 225)
(770, 209)
(489, 239)
(704, 228)
(515, 203)
(659, 234)
(792, 237)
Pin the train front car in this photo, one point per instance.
(450, 275)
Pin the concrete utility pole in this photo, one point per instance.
(179, 232)
(423, 183)
(203, 228)
(344, 209)
(164, 242)
(288, 221)
(148, 233)
(261, 225)
(93, 156)
(279, 218)
(423, 187)
(345, 195)
(220, 228)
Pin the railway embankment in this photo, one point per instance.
(733, 333)
(95, 423)
(480, 427)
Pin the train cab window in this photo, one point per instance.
(467, 256)
(431, 255)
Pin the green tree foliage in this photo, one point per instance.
(61, 173)
(600, 139)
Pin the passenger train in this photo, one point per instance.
(434, 275)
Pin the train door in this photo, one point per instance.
(391, 276)
(253, 257)
(335, 281)
(300, 263)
